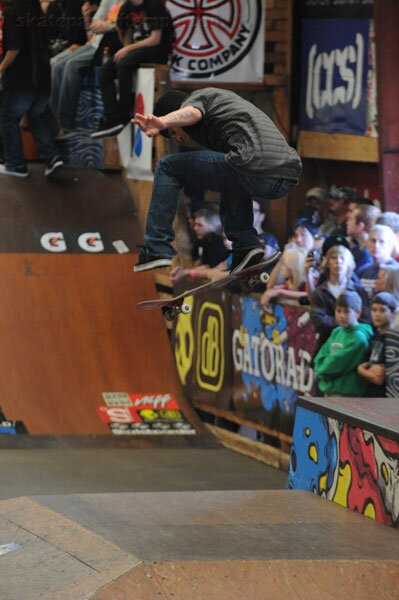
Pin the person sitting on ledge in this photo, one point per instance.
(146, 32)
(336, 362)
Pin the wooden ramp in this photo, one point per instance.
(199, 545)
(73, 347)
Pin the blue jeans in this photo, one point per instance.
(206, 169)
(15, 106)
(66, 83)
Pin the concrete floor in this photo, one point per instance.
(105, 470)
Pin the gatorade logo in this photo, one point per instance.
(212, 36)
(210, 347)
(91, 242)
(53, 241)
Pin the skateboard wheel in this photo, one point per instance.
(264, 278)
(185, 309)
(169, 314)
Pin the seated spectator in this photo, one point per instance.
(315, 207)
(67, 71)
(381, 245)
(361, 201)
(337, 277)
(339, 199)
(66, 27)
(315, 260)
(303, 236)
(336, 362)
(388, 281)
(26, 80)
(383, 311)
(358, 224)
(271, 244)
(146, 32)
(391, 219)
(292, 270)
(210, 249)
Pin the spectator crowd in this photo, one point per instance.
(342, 261)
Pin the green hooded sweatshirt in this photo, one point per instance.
(336, 362)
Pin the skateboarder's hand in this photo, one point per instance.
(149, 124)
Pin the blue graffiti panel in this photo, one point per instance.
(314, 453)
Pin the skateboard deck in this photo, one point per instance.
(246, 280)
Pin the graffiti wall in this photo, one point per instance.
(346, 464)
(272, 353)
(234, 354)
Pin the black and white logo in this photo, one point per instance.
(212, 36)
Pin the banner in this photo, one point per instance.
(272, 356)
(218, 40)
(135, 148)
(335, 56)
(202, 347)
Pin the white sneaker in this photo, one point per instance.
(55, 163)
(21, 172)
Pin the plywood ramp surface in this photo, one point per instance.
(201, 545)
(70, 331)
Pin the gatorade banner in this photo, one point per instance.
(219, 40)
(135, 148)
(272, 352)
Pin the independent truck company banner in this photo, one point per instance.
(218, 40)
(334, 75)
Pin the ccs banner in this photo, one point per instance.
(218, 40)
(335, 67)
(135, 148)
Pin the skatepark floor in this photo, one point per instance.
(38, 471)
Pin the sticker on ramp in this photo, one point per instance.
(148, 414)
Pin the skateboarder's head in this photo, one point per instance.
(167, 103)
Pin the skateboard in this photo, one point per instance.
(243, 281)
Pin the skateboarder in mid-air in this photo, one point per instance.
(246, 156)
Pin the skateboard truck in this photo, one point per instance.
(171, 312)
